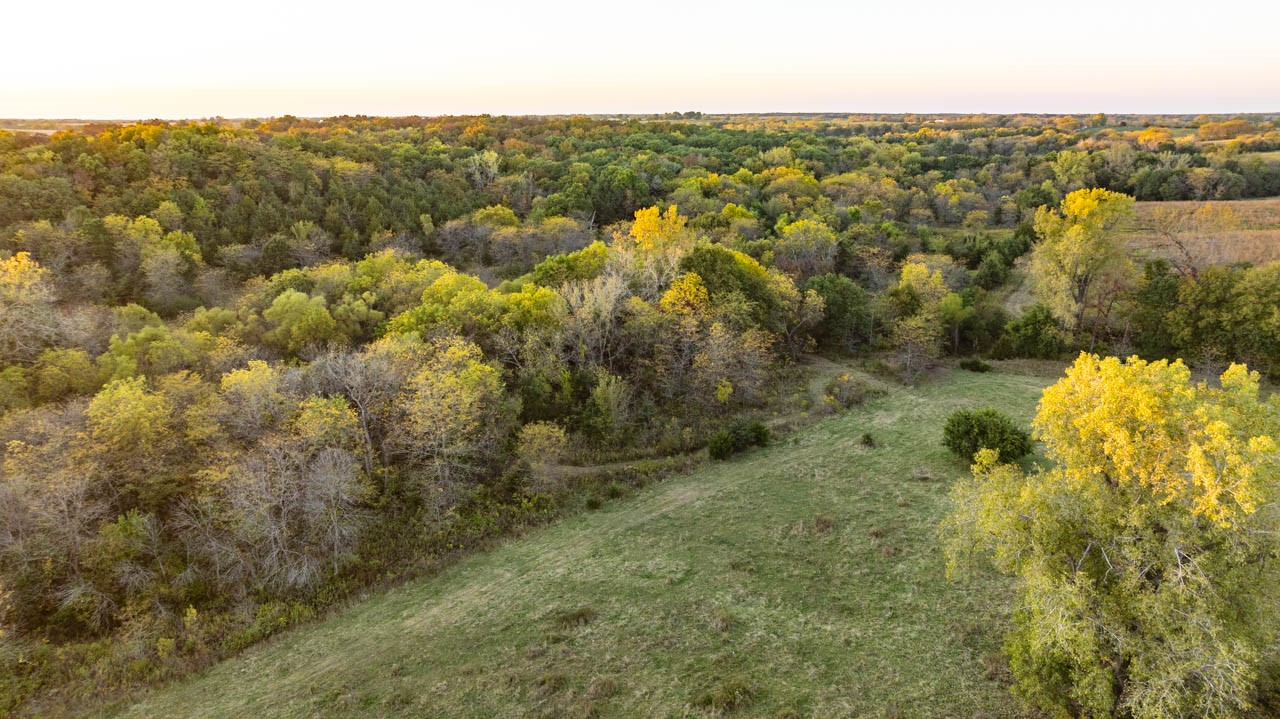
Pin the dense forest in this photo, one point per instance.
(250, 368)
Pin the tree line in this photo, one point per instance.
(247, 369)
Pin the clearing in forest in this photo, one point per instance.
(803, 579)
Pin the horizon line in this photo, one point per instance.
(704, 113)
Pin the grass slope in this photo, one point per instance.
(803, 579)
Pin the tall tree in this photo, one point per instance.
(1080, 259)
(28, 322)
(1147, 585)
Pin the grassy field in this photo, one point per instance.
(1268, 156)
(799, 580)
(1238, 231)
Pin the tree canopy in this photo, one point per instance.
(1142, 553)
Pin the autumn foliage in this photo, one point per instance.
(1147, 585)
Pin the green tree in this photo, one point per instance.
(298, 321)
(805, 248)
(1153, 299)
(846, 319)
(1036, 334)
(953, 312)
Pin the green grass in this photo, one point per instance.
(803, 579)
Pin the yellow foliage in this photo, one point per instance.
(1140, 551)
(327, 422)
(928, 286)
(657, 230)
(686, 296)
(1080, 258)
(724, 390)
(21, 278)
(125, 417)
(1153, 137)
(1144, 423)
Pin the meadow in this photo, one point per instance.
(802, 579)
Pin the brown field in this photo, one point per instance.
(32, 130)
(1209, 233)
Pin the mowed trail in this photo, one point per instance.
(805, 576)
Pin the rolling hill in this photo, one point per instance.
(802, 579)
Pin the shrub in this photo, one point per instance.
(567, 619)
(992, 272)
(739, 435)
(968, 431)
(727, 696)
(847, 391)
(973, 364)
(541, 443)
(1034, 335)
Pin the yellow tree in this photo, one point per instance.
(1080, 263)
(652, 249)
(917, 333)
(1147, 585)
(133, 439)
(455, 413)
(655, 230)
(687, 296)
(28, 322)
(806, 248)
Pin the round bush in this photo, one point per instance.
(721, 445)
(739, 435)
(968, 431)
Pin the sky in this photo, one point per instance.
(236, 58)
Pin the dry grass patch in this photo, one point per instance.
(1208, 233)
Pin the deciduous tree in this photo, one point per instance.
(1080, 257)
(1144, 555)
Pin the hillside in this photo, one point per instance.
(802, 579)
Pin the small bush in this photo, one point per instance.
(730, 695)
(551, 683)
(868, 441)
(845, 391)
(1035, 335)
(881, 368)
(602, 688)
(973, 364)
(722, 620)
(738, 436)
(822, 524)
(968, 431)
(541, 443)
(573, 618)
(271, 618)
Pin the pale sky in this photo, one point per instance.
(241, 58)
